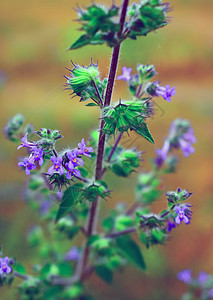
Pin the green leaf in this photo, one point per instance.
(73, 292)
(104, 273)
(123, 222)
(92, 104)
(65, 269)
(131, 251)
(52, 292)
(82, 41)
(143, 130)
(118, 170)
(71, 197)
(20, 269)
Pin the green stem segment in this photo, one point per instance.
(98, 172)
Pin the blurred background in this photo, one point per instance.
(34, 36)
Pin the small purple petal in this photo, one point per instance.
(185, 276)
(51, 170)
(177, 220)
(9, 270)
(202, 277)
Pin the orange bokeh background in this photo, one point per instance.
(34, 37)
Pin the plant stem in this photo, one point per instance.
(98, 172)
(132, 209)
(114, 147)
(98, 94)
(19, 275)
(113, 150)
(123, 232)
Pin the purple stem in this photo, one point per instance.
(97, 91)
(19, 275)
(123, 232)
(113, 150)
(132, 209)
(98, 172)
(114, 147)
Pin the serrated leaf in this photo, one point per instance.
(104, 273)
(131, 251)
(143, 130)
(70, 198)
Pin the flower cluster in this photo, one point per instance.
(177, 211)
(36, 155)
(70, 161)
(66, 163)
(181, 135)
(139, 83)
(5, 266)
(202, 283)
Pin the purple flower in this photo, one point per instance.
(162, 153)
(210, 293)
(165, 92)
(72, 156)
(185, 142)
(28, 164)
(202, 277)
(181, 215)
(185, 276)
(72, 254)
(71, 171)
(4, 268)
(37, 155)
(126, 74)
(83, 150)
(57, 167)
(182, 135)
(25, 143)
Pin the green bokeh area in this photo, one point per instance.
(34, 36)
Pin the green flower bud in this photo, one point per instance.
(13, 126)
(82, 77)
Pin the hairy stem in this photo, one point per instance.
(113, 150)
(114, 147)
(98, 172)
(98, 94)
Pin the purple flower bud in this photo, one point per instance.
(57, 167)
(83, 150)
(185, 276)
(165, 92)
(28, 164)
(126, 74)
(4, 265)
